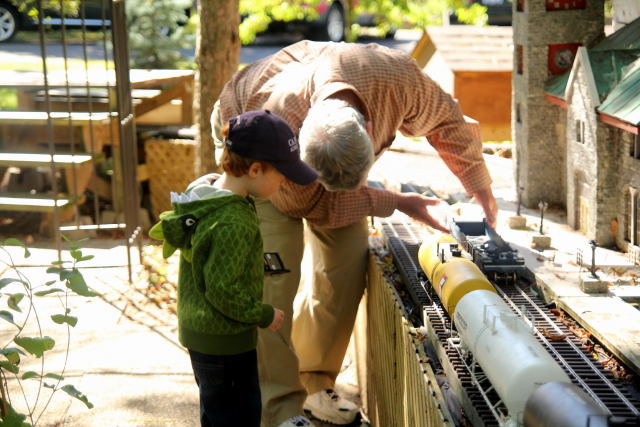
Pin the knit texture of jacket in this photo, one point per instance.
(221, 271)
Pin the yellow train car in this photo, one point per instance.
(451, 274)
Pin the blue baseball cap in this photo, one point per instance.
(263, 135)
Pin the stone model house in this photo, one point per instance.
(601, 95)
(576, 115)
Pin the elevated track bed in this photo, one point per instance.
(482, 405)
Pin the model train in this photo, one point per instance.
(495, 257)
(501, 342)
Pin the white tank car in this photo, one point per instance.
(504, 346)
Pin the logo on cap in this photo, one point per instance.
(293, 144)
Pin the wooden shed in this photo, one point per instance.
(474, 64)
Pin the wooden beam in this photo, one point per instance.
(187, 103)
(29, 202)
(58, 118)
(613, 121)
(34, 160)
(555, 100)
(162, 98)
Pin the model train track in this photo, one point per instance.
(481, 403)
(572, 357)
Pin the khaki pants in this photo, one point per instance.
(309, 347)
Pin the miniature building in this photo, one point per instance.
(546, 36)
(601, 94)
(474, 65)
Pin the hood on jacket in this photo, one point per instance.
(176, 227)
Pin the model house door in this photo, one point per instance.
(583, 215)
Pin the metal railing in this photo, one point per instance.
(90, 83)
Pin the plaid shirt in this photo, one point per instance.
(396, 94)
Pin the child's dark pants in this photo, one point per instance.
(229, 389)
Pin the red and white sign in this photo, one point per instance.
(561, 57)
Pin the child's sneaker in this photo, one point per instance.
(297, 421)
(328, 406)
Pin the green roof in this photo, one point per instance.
(556, 85)
(626, 38)
(615, 62)
(624, 100)
(610, 68)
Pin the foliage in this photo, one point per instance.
(390, 14)
(24, 313)
(420, 13)
(158, 29)
(8, 99)
(258, 14)
(68, 7)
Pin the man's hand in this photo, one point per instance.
(278, 316)
(485, 199)
(415, 205)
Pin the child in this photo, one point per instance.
(214, 224)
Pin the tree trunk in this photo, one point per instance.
(217, 58)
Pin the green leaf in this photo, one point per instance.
(48, 291)
(4, 282)
(12, 354)
(61, 318)
(35, 346)
(50, 282)
(5, 364)
(65, 274)
(14, 419)
(72, 391)
(14, 300)
(47, 385)
(77, 284)
(57, 262)
(11, 241)
(86, 258)
(30, 374)
(54, 270)
(54, 376)
(4, 314)
(76, 254)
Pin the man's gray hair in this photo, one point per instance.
(336, 143)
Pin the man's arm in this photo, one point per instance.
(434, 114)
(340, 208)
(484, 198)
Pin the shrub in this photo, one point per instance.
(158, 29)
(25, 314)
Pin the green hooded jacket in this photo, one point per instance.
(221, 268)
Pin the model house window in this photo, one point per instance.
(635, 147)
(518, 117)
(552, 5)
(580, 131)
(520, 6)
(520, 58)
(632, 216)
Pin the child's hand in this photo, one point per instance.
(278, 316)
